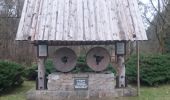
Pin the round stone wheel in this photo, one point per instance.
(98, 59)
(65, 59)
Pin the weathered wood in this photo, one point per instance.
(81, 20)
(66, 19)
(121, 71)
(60, 20)
(20, 27)
(75, 43)
(120, 51)
(138, 69)
(41, 74)
(86, 28)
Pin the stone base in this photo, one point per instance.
(61, 87)
(96, 82)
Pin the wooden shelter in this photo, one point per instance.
(80, 22)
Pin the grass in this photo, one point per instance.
(147, 93)
(152, 93)
(18, 93)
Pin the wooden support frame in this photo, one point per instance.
(41, 74)
(120, 51)
(42, 54)
(121, 72)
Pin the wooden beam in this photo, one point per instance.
(120, 54)
(41, 74)
(121, 71)
(42, 52)
(138, 68)
(74, 43)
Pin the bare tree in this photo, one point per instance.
(156, 17)
(10, 49)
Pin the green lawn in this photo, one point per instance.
(18, 93)
(147, 93)
(151, 93)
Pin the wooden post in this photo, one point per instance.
(120, 54)
(138, 69)
(121, 69)
(42, 53)
(41, 74)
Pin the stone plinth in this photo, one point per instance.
(61, 87)
(65, 82)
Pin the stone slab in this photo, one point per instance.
(65, 82)
(100, 87)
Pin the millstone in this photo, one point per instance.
(98, 58)
(65, 59)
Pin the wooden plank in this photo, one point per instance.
(20, 35)
(142, 34)
(123, 22)
(60, 30)
(86, 30)
(50, 19)
(42, 20)
(47, 19)
(129, 20)
(97, 20)
(92, 24)
(41, 74)
(134, 19)
(138, 22)
(102, 22)
(75, 23)
(72, 20)
(124, 19)
(113, 7)
(106, 30)
(80, 20)
(121, 71)
(66, 20)
(39, 20)
(34, 20)
(28, 18)
(52, 34)
(120, 21)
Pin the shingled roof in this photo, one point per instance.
(81, 20)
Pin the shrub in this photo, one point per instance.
(10, 75)
(111, 68)
(31, 72)
(154, 69)
(83, 67)
(49, 66)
